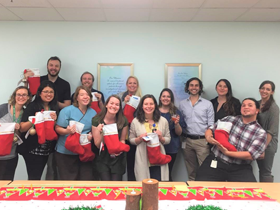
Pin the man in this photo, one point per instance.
(250, 141)
(63, 98)
(198, 114)
(87, 80)
(62, 86)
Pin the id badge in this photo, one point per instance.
(214, 163)
(184, 144)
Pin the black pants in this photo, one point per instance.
(224, 171)
(130, 162)
(8, 168)
(71, 168)
(170, 164)
(107, 176)
(155, 172)
(35, 165)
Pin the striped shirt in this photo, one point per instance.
(249, 137)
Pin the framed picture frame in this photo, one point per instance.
(112, 77)
(177, 74)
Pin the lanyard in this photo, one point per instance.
(16, 120)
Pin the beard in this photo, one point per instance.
(53, 75)
(88, 85)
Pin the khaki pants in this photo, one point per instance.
(195, 152)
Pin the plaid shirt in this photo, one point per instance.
(245, 137)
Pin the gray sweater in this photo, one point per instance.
(269, 120)
(6, 117)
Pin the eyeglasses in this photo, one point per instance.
(21, 95)
(48, 92)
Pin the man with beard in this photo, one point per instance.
(87, 80)
(62, 86)
(198, 114)
(247, 136)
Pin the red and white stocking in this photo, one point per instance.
(6, 138)
(154, 154)
(95, 104)
(111, 139)
(130, 108)
(40, 127)
(34, 81)
(49, 126)
(222, 135)
(72, 142)
(86, 144)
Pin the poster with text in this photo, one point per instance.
(177, 75)
(112, 77)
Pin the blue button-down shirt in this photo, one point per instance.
(198, 117)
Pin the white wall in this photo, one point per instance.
(244, 53)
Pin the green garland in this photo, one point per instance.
(84, 208)
(201, 207)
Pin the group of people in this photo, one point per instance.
(145, 140)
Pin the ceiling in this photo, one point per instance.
(141, 10)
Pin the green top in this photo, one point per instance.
(104, 160)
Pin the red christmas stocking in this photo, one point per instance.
(111, 139)
(34, 81)
(6, 138)
(130, 108)
(222, 135)
(154, 154)
(40, 127)
(72, 142)
(94, 104)
(49, 126)
(86, 144)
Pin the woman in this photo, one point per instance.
(176, 124)
(69, 165)
(35, 154)
(133, 88)
(110, 167)
(225, 104)
(269, 120)
(132, 85)
(148, 120)
(11, 112)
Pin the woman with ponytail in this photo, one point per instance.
(269, 120)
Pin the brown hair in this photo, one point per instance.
(140, 114)
(172, 107)
(271, 99)
(119, 116)
(75, 102)
(87, 73)
(12, 100)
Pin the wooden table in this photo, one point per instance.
(272, 189)
(3, 183)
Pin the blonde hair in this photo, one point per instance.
(138, 92)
